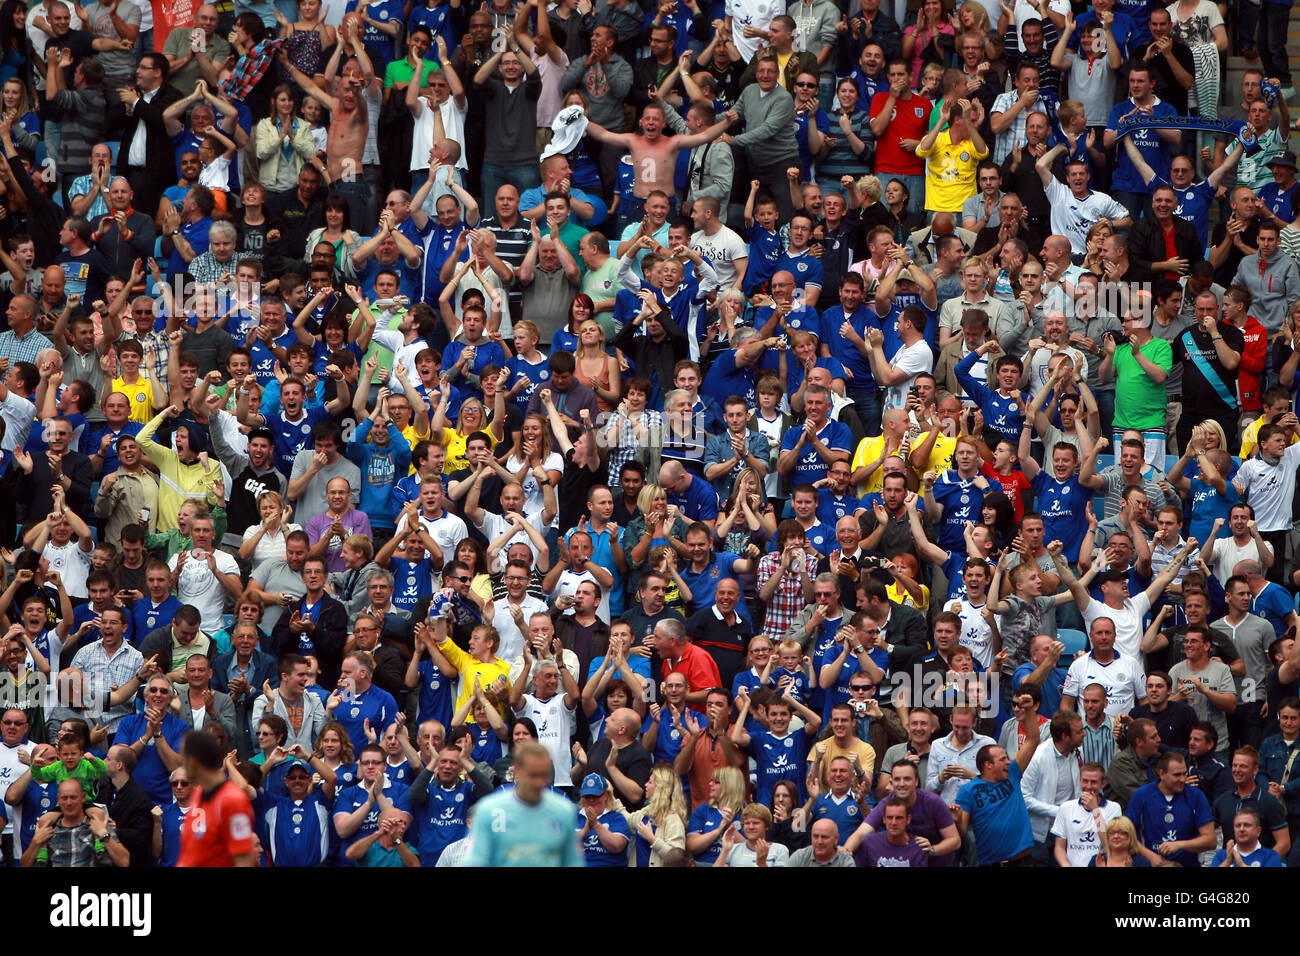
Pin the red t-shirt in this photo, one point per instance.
(1013, 486)
(218, 828)
(700, 669)
(910, 120)
(1171, 248)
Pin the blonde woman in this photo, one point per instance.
(266, 541)
(596, 368)
(1286, 342)
(973, 17)
(731, 313)
(472, 418)
(716, 816)
(1121, 847)
(746, 517)
(1098, 233)
(533, 449)
(660, 825)
(655, 525)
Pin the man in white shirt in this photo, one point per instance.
(1075, 207)
(1125, 612)
(447, 529)
(719, 243)
(1122, 676)
(512, 500)
(13, 740)
(952, 758)
(16, 408)
(1244, 544)
(898, 372)
(1052, 779)
(1080, 825)
(203, 576)
(550, 711)
(511, 614)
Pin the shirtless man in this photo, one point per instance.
(653, 154)
(349, 117)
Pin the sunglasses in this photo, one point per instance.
(807, 85)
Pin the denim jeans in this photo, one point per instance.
(356, 192)
(1274, 22)
(1106, 409)
(1135, 203)
(868, 405)
(521, 177)
(826, 93)
(915, 188)
(1247, 23)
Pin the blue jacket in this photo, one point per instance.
(1273, 757)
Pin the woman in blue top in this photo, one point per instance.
(13, 42)
(580, 309)
(711, 818)
(334, 747)
(27, 125)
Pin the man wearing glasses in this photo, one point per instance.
(155, 738)
(13, 740)
(146, 158)
(59, 465)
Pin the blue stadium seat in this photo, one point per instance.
(1074, 640)
(1104, 462)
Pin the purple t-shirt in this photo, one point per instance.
(353, 521)
(929, 816)
(876, 850)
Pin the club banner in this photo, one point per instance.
(1242, 131)
(169, 15)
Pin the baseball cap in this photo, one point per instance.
(262, 431)
(1110, 577)
(593, 785)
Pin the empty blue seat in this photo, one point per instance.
(1073, 639)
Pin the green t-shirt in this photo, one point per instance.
(401, 71)
(1139, 402)
(89, 771)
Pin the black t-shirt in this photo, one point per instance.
(726, 644)
(1277, 692)
(633, 761)
(1162, 75)
(1174, 722)
(1227, 272)
(1204, 389)
(575, 483)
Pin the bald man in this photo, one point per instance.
(190, 58)
(22, 343)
